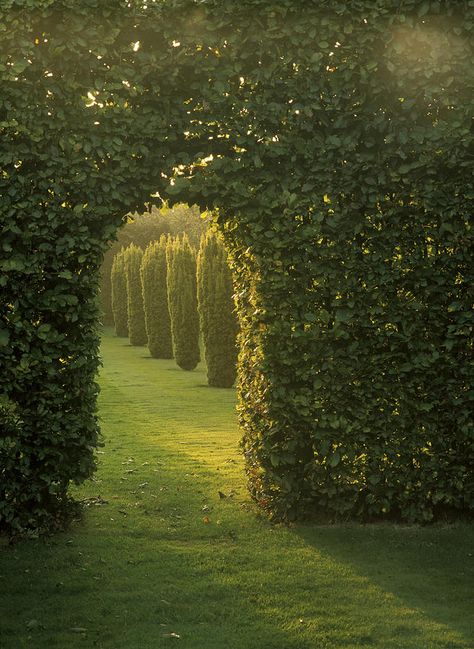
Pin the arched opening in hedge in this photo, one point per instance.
(334, 143)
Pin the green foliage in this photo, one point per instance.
(118, 280)
(182, 300)
(142, 229)
(334, 140)
(217, 311)
(135, 312)
(155, 299)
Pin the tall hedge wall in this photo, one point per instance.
(335, 140)
(155, 299)
(217, 311)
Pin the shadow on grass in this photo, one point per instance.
(148, 564)
(133, 596)
(430, 569)
(357, 586)
(140, 572)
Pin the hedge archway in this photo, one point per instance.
(335, 140)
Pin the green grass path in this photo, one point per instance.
(165, 556)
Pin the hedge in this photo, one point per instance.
(155, 299)
(142, 229)
(217, 312)
(333, 140)
(182, 301)
(136, 315)
(118, 282)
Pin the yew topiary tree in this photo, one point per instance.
(142, 229)
(135, 313)
(217, 311)
(334, 141)
(155, 299)
(182, 300)
(118, 282)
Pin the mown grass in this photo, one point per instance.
(160, 553)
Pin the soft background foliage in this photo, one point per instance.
(142, 229)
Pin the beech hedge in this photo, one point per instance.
(334, 141)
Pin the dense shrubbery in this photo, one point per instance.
(217, 311)
(182, 299)
(118, 282)
(155, 299)
(136, 316)
(335, 138)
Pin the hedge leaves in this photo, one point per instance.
(334, 141)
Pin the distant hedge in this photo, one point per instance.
(155, 299)
(217, 311)
(136, 314)
(118, 281)
(182, 297)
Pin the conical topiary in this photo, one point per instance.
(216, 312)
(118, 280)
(136, 315)
(155, 299)
(182, 300)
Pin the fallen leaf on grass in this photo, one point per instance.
(97, 500)
(31, 625)
(206, 519)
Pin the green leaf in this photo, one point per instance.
(4, 337)
(334, 459)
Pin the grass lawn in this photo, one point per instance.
(160, 553)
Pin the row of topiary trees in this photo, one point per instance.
(167, 295)
(143, 229)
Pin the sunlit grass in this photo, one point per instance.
(162, 554)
